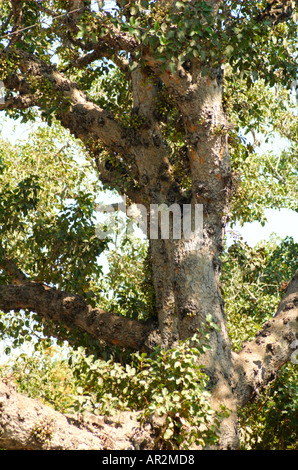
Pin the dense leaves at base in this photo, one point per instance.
(253, 284)
(167, 385)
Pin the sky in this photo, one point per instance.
(283, 223)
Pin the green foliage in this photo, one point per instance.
(47, 210)
(111, 91)
(168, 383)
(127, 287)
(18, 329)
(263, 117)
(173, 33)
(44, 375)
(270, 423)
(47, 221)
(67, 247)
(253, 283)
(191, 30)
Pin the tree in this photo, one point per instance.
(150, 89)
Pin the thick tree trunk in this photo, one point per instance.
(186, 271)
(187, 289)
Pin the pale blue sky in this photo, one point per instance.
(283, 222)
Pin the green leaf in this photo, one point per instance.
(163, 40)
(134, 10)
(172, 67)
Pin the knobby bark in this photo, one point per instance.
(259, 361)
(185, 272)
(27, 424)
(71, 311)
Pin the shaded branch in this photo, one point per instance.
(71, 310)
(19, 102)
(18, 277)
(277, 11)
(100, 51)
(17, 13)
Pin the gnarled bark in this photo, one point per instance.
(70, 310)
(186, 272)
(27, 424)
(260, 360)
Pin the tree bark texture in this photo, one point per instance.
(27, 424)
(186, 271)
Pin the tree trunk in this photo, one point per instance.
(187, 289)
(186, 271)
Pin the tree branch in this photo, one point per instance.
(27, 424)
(18, 21)
(18, 277)
(259, 361)
(277, 11)
(41, 84)
(19, 102)
(100, 51)
(71, 310)
(109, 41)
(82, 117)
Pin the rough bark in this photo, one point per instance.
(71, 311)
(186, 272)
(27, 424)
(260, 360)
